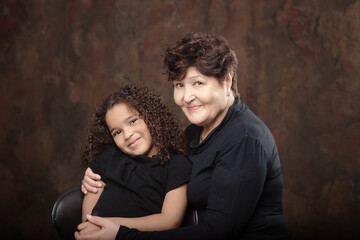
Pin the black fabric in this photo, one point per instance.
(236, 183)
(136, 185)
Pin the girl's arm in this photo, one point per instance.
(90, 200)
(171, 215)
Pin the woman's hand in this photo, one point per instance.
(108, 230)
(91, 182)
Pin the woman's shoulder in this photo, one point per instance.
(250, 129)
(247, 124)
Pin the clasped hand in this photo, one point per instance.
(88, 228)
(97, 228)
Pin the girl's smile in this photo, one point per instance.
(129, 131)
(134, 143)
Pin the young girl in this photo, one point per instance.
(136, 146)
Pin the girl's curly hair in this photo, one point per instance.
(209, 53)
(164, 128)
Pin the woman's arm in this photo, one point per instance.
(171, 215)
(91, 182)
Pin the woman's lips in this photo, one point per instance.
(193, 108)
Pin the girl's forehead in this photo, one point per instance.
(121, 110)
(125, 106)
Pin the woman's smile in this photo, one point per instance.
(202, 98)
(193, 108)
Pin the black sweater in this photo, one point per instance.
(136, 185)
(236, 183)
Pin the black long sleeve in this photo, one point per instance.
(236, 183)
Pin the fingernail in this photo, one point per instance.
(99, 185)
(88, 216)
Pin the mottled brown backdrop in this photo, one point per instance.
(299, 63)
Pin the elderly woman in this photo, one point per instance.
(236, 182)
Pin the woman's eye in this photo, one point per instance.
(178, 85)
(133, 121)
(198, 83)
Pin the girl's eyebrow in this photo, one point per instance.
(127, 119)
(131, 116)
(112, 130)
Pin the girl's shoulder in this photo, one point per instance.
(106, 153)
(179, 160)
(109, 153)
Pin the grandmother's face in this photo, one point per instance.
(203, 99)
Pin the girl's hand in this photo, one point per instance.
(91, 182)
(108, 230)
(88, 228)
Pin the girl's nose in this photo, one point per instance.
(128, 133)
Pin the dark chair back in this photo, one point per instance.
(66, 213)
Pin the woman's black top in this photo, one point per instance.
(236, 183)
(136, 185)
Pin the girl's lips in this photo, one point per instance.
(134, 143)
(193, 108)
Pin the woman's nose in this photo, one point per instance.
(188, 94)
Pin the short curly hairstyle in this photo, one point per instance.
(165, 130)
(209, 53)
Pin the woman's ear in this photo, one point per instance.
(228, 81)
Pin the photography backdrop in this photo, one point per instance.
(299, 71)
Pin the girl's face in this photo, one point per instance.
(129, 131)
(203, 99)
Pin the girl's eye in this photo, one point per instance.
(133, 121)
(198, 83)
(116, 133)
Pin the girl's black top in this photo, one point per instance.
(236, 183)
(136, 185)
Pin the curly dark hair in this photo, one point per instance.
(165, 130)
(209, 53)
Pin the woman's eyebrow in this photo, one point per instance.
(198, 76)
